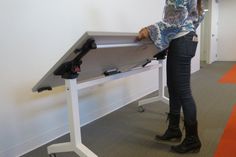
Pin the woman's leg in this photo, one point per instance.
(173, 132)
(180, 88)
(174, 101)
(183, 50)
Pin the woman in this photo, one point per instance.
(177, 35)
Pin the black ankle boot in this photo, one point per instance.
(173, 133)
(191, 143)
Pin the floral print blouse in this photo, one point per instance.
(179, 16)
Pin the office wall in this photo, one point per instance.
(227, 33)
(34, 35)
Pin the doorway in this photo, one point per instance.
(209, 33)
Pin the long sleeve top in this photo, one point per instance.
(179, 16)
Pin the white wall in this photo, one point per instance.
(34, 35)
(227, 32)
(206, 34)
(196, 60)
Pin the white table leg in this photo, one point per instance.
(161, 96)
(75, 144)
(59, 148)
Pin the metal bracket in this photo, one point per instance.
(71, 69)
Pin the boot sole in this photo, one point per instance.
(196, 150)
(170, 141)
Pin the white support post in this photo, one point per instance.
(75, 145)
(71, 86)
(162, 82)
(161, 96)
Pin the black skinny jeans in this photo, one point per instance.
(180, 53)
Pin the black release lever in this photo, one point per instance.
(161, 55)
(70, 70)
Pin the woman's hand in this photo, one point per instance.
(143, 34)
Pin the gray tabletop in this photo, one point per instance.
(113, 51)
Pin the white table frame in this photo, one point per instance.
(162, 83)
(72, 88)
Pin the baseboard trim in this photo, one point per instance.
(35, 142)
(46, 137)
(117, 105)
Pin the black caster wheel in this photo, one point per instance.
(141, 109)
(52, 155)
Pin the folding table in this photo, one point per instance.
(97, 58)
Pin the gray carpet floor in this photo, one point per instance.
(127, 133)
